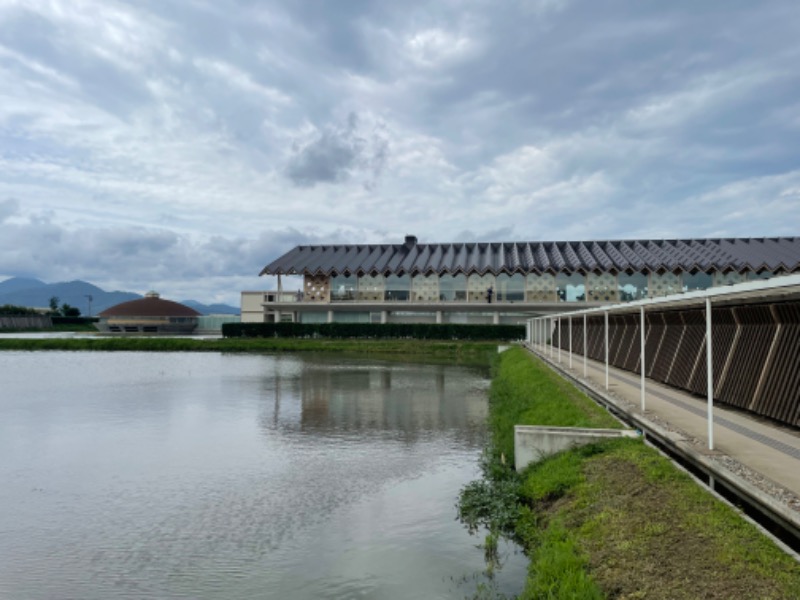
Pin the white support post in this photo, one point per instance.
(539, 331)
(641, 341)
(606, 328)
(569, 324)
(544, 335)
(559, 340)
(709, 376)
(585, 349)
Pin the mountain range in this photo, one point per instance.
(33, 293)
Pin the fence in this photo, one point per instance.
(25, 322)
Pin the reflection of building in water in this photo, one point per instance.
(392, 398)
(408, 400)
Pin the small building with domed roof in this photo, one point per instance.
(148, 315)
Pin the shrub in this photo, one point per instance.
(419, 331)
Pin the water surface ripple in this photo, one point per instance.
(149, 475)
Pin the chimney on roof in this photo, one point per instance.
(411, 241)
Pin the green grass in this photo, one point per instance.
(471, 352)
(612, 519)
(525, 392)
(558, 568)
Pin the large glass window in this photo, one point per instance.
(453, 288)
(343, 288)
(751, 276)
(632, 287)
(696, 281)
(571, 287)
(398, 288)
(510, 288)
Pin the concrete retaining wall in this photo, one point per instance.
(532, 443)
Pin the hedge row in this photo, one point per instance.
(419, 331)
(73, 320)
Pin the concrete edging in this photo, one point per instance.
(532, 443)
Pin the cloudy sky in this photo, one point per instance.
(180, 145)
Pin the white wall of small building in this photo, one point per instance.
(252, 307)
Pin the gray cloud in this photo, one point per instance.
(338, 154)
(189, 143)
(8, 208)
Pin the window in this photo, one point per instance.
(510, 288)
(570, 287)
(760, 275)
(398, 288)
(453, 288)
(632, 287)
(696, 281)
(343, 287)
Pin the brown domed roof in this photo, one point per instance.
(150, 306)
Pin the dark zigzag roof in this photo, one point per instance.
(726, 254)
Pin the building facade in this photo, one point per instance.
(503, 282)
(149, 315)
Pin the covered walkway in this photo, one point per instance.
(761, 446)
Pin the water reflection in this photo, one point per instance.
(361, 398)
(209, 476)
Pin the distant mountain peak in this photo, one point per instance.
(15, 284)
(33, 293)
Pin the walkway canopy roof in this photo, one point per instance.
(692, 255)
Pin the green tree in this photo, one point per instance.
(11, 309)
(54, 304)
(69, 311)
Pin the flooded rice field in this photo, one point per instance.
(178, 475)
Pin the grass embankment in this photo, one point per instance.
(451, 350)
(614, 519)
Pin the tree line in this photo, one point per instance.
(65, 310)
